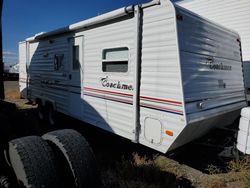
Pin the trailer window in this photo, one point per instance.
(76, 58)
(115, 60)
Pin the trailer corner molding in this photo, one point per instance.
(117, 84)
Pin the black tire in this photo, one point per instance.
(33, 162)
(79, 156)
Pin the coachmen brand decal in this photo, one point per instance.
(217, 66)
(118, 85)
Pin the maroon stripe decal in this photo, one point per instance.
(161, 100)
(162, 108)
(108, 92)
(108, 98)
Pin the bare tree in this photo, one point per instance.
(1, 55)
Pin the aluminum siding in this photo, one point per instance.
(43, 81)
(161, 96)
(108, 108)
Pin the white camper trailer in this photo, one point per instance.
(233, 14)
(154, 73)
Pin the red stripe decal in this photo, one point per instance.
(130, 95)
(131, 102)
(105, 91)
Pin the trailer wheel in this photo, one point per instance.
(78, 154)
(4, 182)
(51, 114)
(32, 161)
(41, 111)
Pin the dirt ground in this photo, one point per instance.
(125, 164)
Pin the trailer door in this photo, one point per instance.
(75, 76)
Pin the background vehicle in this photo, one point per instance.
(11, 72)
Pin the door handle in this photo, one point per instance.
(70, 76)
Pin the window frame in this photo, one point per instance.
(116, 60)
(58, 62)
(71, 43)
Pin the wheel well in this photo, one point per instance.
(45, 103)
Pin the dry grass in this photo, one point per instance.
(211, 169)
(163, 172)
(240, 170)
(238, 175)
(11, 90)
(12, 95)
(139, 172)
(240, 165)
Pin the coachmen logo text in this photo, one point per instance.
(217, 66)
(118, 85)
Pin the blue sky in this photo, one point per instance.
(24, 18)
